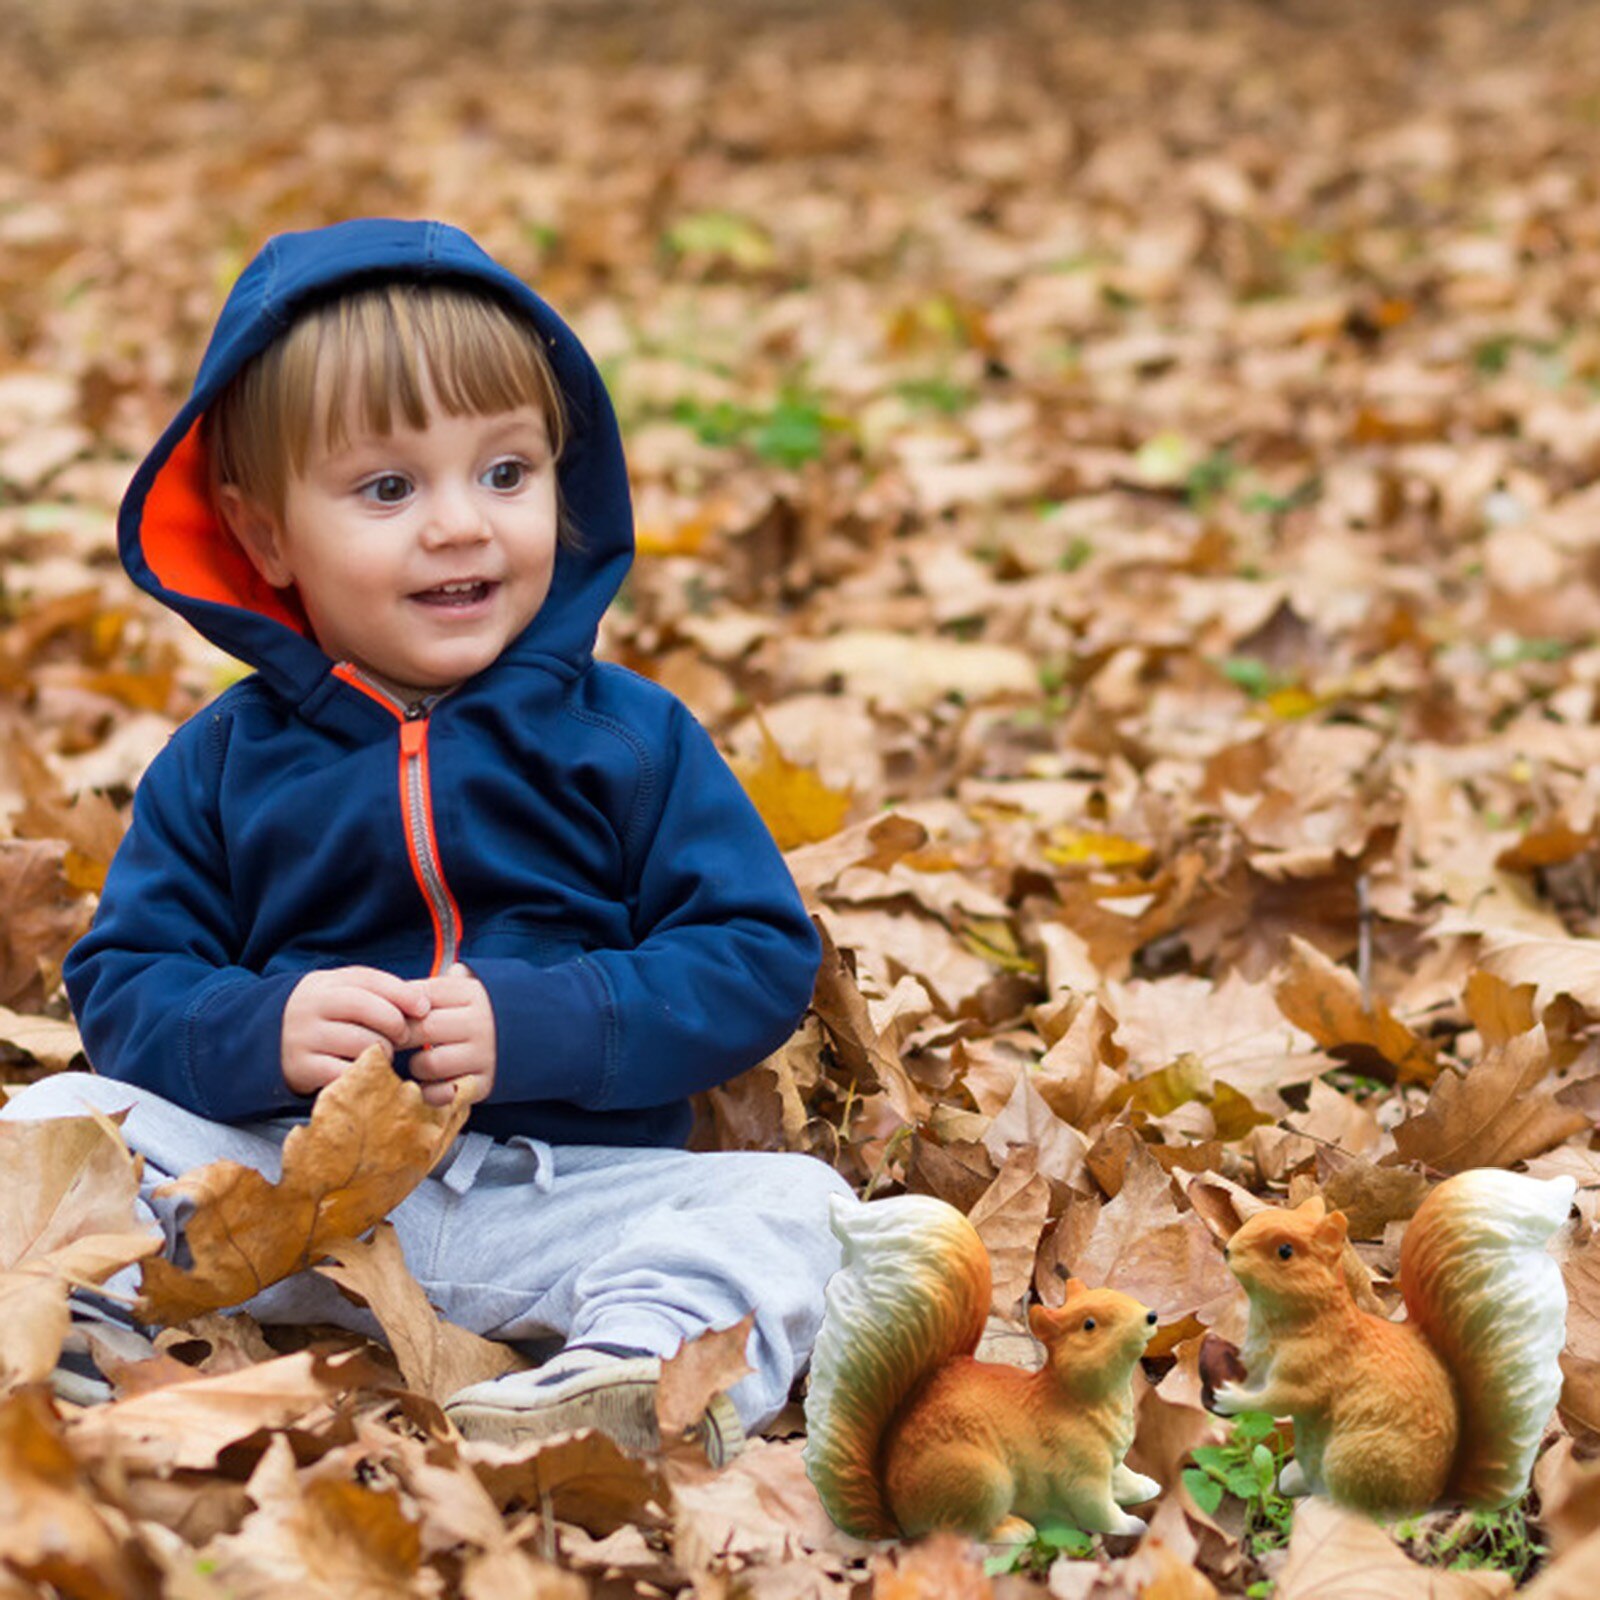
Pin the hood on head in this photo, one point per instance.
(176, 548)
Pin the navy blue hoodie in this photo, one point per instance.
(565, 826)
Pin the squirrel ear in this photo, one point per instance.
(1332, 1232)
(1314, 1207)
(1075, 1287)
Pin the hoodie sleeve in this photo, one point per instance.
(723, 968)
(154, 984)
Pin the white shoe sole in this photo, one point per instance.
(618, 1400)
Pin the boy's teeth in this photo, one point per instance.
(455, 591)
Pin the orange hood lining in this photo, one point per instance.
(191, 553)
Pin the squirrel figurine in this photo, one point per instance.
(908, 1433)
(1449, 1405)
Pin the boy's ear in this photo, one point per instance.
(259, 533)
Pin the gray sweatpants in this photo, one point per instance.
(538, 1244)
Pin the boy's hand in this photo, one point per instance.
(334, 1014)
(457, 1039)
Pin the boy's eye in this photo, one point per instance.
(506, 475)
(388, 490)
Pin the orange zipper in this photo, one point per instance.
(416, 809)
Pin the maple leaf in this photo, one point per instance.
(701, 1369)
(369, 1142)
(585, 1478)
(54, 1533)
(1326, 1000)
(796, 805)
(322, 1536)
(1497, 1113)
(1009, 1217)
(45, 916)
(66, 1218)
(188, 1425)
(1335, 1554)
(51, 1043)
(941, 1567)
(436, 1358)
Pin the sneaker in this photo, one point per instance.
(605, 1388)
(78, 1377)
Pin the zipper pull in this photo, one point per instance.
(413, 734)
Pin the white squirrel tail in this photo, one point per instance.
(1481, 1284)
(913, 1291)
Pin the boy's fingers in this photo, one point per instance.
(410, 995)
(439, 1062)
(321, 1070)
(441, 1094)
(343, 1041)
(371, 1011)
(447, 1025)
(451, 990)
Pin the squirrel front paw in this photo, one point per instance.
(1232, 1398)
(1130, 1488)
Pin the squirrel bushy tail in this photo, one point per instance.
(1482, 1288)
(912, 1292)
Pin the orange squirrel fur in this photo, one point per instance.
(908, 1433)
(1450, 1405)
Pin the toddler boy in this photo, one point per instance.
(430, 819)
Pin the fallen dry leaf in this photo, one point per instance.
(55, 1045)
(701, 1369)
(586, 1478)
(941, 1567)
(321, 1536)
(187, 1425)
(1336, 1554)
(1326, 1001)
(44, 918)
(369, 1142)
(1497, 1113)
(436, 1358)
(796, 805)
(54, 1532)
(1009, 1217)
(66, 1218)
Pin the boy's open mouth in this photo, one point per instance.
(456, 596)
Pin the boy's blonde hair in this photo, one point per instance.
(385, 349)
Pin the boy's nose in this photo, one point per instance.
(455, 517)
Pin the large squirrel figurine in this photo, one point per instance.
(908, 1433)
(1450, 1405)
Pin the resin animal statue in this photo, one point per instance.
(1448, 1406)
(908, 1433)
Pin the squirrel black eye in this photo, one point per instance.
(1285, 1251)
(1088, 1323)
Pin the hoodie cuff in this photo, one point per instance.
(553, 1029)
(232, 1048)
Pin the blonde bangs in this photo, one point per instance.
(373, 361)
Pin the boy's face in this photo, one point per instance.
(421, 554)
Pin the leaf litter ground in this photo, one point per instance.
(1122, 482)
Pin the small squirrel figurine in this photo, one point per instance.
(1393, 1417)
(908, 1433)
